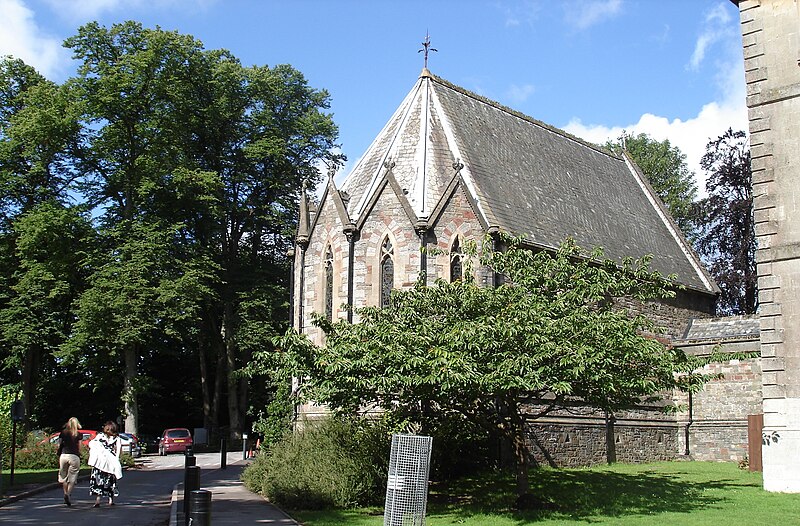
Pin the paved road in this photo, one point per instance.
(144, 499)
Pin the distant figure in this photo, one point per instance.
(104, 451)
(69, 457)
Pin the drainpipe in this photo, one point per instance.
(688, 424)
(422, 231)
(350, 233)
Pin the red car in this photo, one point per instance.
(173, 440)
(88, 434)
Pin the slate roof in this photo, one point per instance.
(525, 177)
(720, 329)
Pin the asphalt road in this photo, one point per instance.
(144, 500)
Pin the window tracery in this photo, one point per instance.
(329, 284)
(387, 271)
(456, 262)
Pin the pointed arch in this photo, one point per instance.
(456, 260)
(386, 265)
(328, 282)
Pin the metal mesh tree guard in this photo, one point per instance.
(407, 487)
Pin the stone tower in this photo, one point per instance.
(771, 40)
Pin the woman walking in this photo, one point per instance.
(104, 451)
(69, 457)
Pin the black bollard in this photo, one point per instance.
(201, 508)
(191, 482)
(190, 461)
(223, 454)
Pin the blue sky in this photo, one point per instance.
(672, 69)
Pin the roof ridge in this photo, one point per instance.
(520, 115)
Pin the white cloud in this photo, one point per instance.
(519, 94)
(716, 27)
(22, 38)
(518, 13)
(584, 14)
(85, 10)
(690, 135)
(82, 9)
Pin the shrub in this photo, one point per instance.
(36, 455)
(39, 456)
(336, 463)
(8, 394)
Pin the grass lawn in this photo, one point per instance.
(664, 493)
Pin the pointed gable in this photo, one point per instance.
(522, 176)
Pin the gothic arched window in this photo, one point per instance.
(329, 284)
(456, 262)
(387, 271)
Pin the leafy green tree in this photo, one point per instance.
(666, 170)
(727, 242)
(40, 241)
(186, 139)
(52, 243)
(549, 337)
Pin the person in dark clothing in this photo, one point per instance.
(69, 457)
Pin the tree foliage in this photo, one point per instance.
(728, 242)
(550, 336)
(186, 169)
(664, 165)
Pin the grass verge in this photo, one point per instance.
(24, 478)
(674, 493)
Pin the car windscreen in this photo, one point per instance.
(178, 433)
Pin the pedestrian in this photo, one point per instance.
(104, 451)
(69, 457)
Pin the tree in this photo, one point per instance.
(727, 241)
(52, 243)
(666, 170)
(549, 337)
(188, 140)
(41, 239)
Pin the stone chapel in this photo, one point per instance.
(452, 166)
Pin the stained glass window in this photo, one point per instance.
(387, 271)
(329, 284)
(456, 257)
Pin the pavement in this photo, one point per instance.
(231, 501)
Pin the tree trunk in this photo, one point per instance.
(520, 450)
(234, 409)
(30, 377)
(129, 394)
(205, 388)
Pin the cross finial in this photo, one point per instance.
(426, 47)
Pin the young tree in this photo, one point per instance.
(727, 241)
(665, 168)
(548, 337)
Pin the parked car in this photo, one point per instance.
(130, 444)
(88, 434)
(174, 440)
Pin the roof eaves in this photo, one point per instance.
(672, 227)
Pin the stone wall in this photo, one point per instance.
(717, 425)
(672, 314)
(771, 43)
